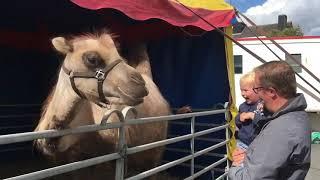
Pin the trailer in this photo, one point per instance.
(192, 65)
(303, 48)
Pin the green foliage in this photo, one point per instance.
(291, 31)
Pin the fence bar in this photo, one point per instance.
(209, 139)
(178, 161)
(160, 168)
(206, 169)
(200, 138)
(173, 117)
(211, 130)
(203, 151)
(121, 155)
(200, 166)
(172, 140)
(119, 174)
(226, 116)
(188, 151)
(192, 129)
(29, 136)
(222, 176)
(197, 124)
(66, 168)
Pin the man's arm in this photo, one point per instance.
(265, 156)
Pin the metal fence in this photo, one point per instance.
(123, 150)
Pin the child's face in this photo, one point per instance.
(247, 93)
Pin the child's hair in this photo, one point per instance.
(248, 77)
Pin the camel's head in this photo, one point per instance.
(99, 73)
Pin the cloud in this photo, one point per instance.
(301, 12)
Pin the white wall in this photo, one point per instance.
(308, 47)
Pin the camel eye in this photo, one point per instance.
(92, 59)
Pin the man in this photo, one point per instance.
(282, 149)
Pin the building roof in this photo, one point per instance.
(241, 30)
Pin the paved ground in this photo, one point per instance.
(314, 172)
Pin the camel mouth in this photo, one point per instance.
(129, 99)
(45, 147)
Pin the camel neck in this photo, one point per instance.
(63, 101)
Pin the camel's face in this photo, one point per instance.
(87, 54)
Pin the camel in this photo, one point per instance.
(94, 78)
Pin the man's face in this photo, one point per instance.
(247, 93)
(261, 92)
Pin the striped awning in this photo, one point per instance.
(216, 12)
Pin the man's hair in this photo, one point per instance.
(279, 75)
(247, 78)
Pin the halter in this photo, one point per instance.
(99, 74)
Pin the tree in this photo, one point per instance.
(290, 31)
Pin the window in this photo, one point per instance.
(296, 67)
(237, 64)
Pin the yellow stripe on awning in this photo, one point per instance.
(206, 4)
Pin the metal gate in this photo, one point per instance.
(123, 150)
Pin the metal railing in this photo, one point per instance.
(123, 150)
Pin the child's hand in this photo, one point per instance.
(245, 116)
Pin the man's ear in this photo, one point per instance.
(62, 45)
(272, 92)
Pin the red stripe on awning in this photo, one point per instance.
(166, 10)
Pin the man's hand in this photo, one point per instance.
(184, 109)
(245, 116)
(238, 156)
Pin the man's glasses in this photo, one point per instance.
(257, 89)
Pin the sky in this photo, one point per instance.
(305, 13)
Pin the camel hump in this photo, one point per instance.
(137, 57)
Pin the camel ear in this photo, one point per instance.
(61, 45)
(108, 38)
